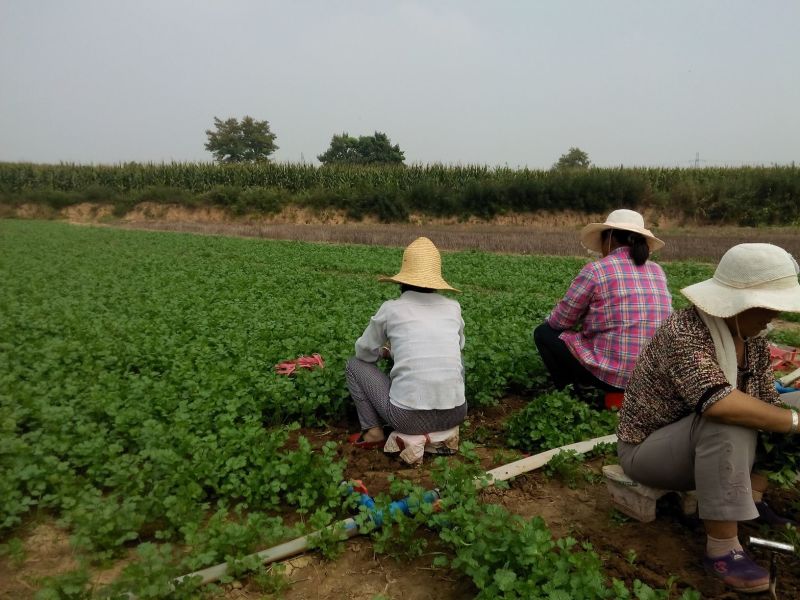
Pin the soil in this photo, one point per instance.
(665, 550)
(524, 233)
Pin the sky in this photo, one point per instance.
(498, 83)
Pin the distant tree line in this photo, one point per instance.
(251, 141)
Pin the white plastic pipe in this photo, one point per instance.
(274, 554)
(531, 463)
(790, 378)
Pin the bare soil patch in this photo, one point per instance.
(46, 552)
(706, 245)
(87, 212)
(540, 233)
(33, 211)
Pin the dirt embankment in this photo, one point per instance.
(538, 233)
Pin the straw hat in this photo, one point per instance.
(627, 220)
(749, 276)
(422, 267)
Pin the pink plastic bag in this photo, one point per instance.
(783, 357)
(304, 362)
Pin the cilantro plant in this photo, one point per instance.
(556, 419)
(138, 400)
(569, 467)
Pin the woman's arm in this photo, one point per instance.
(738, 408)
(569, 311)
(369, 345)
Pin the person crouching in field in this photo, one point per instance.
(700, 392)
(423, 332)
(612, 308)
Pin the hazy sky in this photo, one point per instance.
(631, 82)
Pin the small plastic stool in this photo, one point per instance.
(412, 448)
(614, 400)
(637, 500)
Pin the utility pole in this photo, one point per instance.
(697, 160)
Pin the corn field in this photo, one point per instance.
(744, 196)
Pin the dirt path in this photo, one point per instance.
(537, 233)
(558, 241)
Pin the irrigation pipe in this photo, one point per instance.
(296, 546)
(274, 554)
(531, 463)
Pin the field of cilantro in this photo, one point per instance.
(140, 414)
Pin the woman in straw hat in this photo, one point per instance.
(701, 390)
(423, 332)
(615, 303)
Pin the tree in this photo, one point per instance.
(575, 158)
(233, 142)
(374, 149)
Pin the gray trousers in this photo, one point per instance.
(697, 453)
(369, 387)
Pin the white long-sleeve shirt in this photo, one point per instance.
(426, 335)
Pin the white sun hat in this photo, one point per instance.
(749, 276)
(623, 218)
(422, 267)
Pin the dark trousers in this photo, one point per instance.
(564, 368)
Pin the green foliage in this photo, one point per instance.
(138, 402)
(397, 535)
(568, 466)
(779, 457)
(152, 577)
(790, 535)
(72, 585)
(264, 200)
(163, 428)
(130, 403)
(786, 337)
(271, 581)
(231, 535)
(608, 450)
(15, 550)
(574, 158)
(556, 419)
(747, 196)
(162, 195)
(373, 149)
(328, 538)
(137, 390)
(232, 141)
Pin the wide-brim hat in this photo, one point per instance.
(627, 220)
(422, 267)
(749, 276)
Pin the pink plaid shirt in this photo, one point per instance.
(619, 306)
